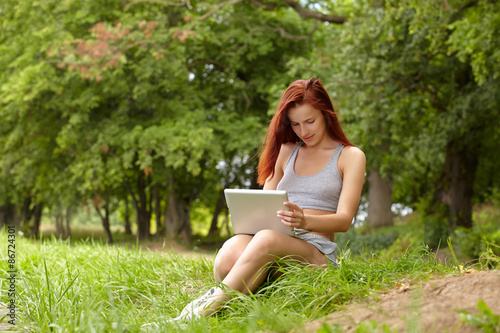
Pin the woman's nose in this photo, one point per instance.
(303, 130)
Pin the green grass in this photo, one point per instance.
(486, 320)
(88, 286)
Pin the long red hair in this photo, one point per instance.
(280, 131)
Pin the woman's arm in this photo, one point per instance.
(353, 165)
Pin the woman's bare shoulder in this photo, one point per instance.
(285, 152)
(353, 152)
(287, 147)
(352, 157)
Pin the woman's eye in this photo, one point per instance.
(294, 124)
(310, 122)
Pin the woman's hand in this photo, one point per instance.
(293, 217)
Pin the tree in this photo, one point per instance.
(155, 97)
(416, 92)
(136, 95)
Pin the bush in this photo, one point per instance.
(484, 233)
(362, 240)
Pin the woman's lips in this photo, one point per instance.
(308, 138)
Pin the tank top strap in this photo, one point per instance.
(337, 151)
(333, 163)
(293, 156)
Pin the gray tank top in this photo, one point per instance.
(319, 191)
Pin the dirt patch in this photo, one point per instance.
(429, 307)
(170, 245)
(164, 246)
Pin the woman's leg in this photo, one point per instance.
(228, 255)
(224, 262)
(249, 270)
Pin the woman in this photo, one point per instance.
(307, 154)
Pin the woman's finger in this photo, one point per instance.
(283, 213)
(292, 205)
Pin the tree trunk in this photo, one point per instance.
(37, 213)
(456, 187)
(105, 224)
(150, 211)
(143, 216)
(219, 206)
(177, 220)
(105, 220)
(59, 225)
(3, 216)
(379, 201)
(17, 218)
(128, 229)
(157, 208)
(25, 214)
(67, 232)
(7, 215)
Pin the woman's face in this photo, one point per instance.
(308, 123)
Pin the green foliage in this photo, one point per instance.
(101, 95)
(479, 245)
(328, 329)
(473, 40)
(474, 242)
(486, 320)
(489, 259)
(374, 326)
(359, 241)
(435, 223)
(95, 97)
(408, 74)
(482, 237)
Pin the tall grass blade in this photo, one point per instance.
(48, 282)
(455, 260)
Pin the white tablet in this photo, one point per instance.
(255, 210)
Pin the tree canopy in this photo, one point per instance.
(162, 104)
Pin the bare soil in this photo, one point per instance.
(169, 245)
(426, 307)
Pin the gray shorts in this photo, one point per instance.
(323, 244)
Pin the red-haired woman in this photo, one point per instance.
(306, 153)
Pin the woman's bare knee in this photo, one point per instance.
(273, 243)
(228, 255)
(263, 242)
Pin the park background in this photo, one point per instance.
(123, 121)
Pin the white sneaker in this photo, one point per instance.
(190, 312)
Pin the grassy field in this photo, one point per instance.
(92, 287)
